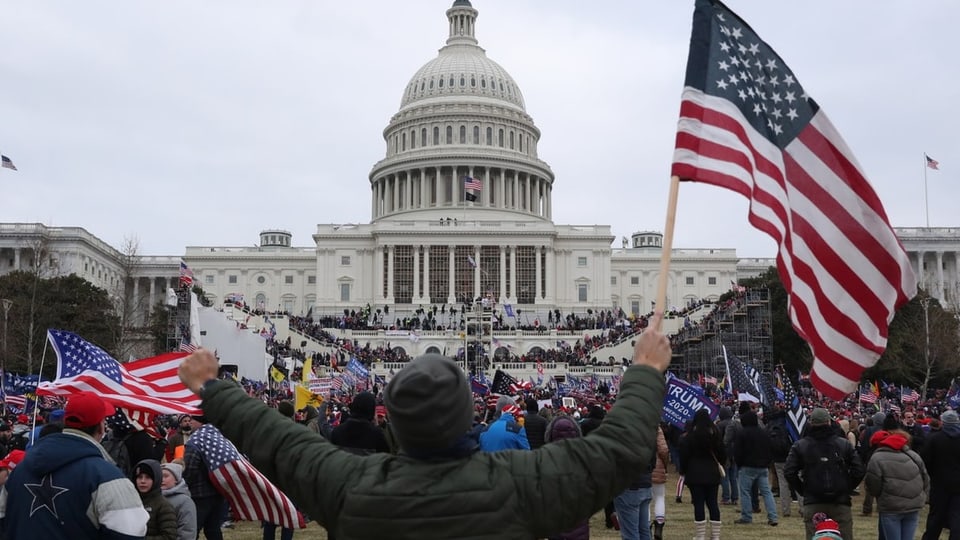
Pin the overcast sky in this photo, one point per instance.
(201, 123)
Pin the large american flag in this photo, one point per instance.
(252, 497)
(747, 125)
(150, 384)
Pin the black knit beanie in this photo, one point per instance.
(429, 403)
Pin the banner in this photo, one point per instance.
(321, 386)
(683, 401)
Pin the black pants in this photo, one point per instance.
(209, 517)
(944, 512)
(705, 495)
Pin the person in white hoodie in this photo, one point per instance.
(178, 495)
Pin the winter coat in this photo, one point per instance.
(560, 428)
(535, 426)
(941, 455)
(896, 475)
(752, 445)
(89, 493)
(359, 435)
(804, 452)
(179, 498)
(663, 456)
(162, 524)
(475, 495)
(504, 434)
(698, 462)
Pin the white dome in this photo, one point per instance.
(462, 68)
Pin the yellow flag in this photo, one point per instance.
(307, 371)
(305, 397)
(277, 375)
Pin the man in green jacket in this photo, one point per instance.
(439, 486)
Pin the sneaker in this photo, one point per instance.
(772, 523)
(741, 521)
(679, 500)
(615, 520)
(228, 524)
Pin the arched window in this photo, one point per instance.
(440, 82)
(436, 135)
(451, 81)
(511, 140)
(423, 137)
(422, 85)
(396, 144)
(413, 139)
(403, 141)
(476, 134)
(520, 142)
(463, 134)
(463, 81)
(483, 82)
(489, 136)
(431, 84)
(473, 82)
(500, 138)
(449, 134)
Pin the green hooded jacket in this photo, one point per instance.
(508, 494)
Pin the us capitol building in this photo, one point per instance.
(460, 208)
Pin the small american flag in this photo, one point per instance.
(932, 163)
(867, 395)
(186, 346)
(7, 164)
(909, 395)
(252, 497)
(471, 183)
(150, 384)
(186, 275)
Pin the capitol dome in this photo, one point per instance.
(462, 68)
(462, 140)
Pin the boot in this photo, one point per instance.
(715, 530)
(657, 530)
(700, 530)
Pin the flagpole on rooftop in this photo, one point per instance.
(926, 198)
(667, 248)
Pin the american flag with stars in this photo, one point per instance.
(150, 384)
(502, 383)
(252, 497)
(746, 124)
(867, 395)
(909, 395)
(471, 183)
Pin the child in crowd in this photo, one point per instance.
(163, 518)
(175, 490)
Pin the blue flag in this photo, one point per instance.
(683, 401)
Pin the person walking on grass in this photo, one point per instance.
(701, 455)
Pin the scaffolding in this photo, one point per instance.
(478, 338)
(178, 321)
(743, 327)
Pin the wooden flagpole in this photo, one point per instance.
(667, 248)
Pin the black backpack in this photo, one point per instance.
(118, 451)
(825, 474)
(780, 442)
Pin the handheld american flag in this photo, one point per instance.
(252, 497)
(747, 125)
(150, 384)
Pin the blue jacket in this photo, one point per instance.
(504, 434)
(65, 488)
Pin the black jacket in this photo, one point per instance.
(360, 436)
(803, 453)
(941, 455)
(535, 426)
(752, 448)
(698, 462)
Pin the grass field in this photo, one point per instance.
(679, 526)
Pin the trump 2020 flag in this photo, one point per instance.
(252, 497)
(747, 125)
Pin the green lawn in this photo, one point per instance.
(679, 526)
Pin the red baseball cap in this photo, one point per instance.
(12, 459)
(85, 410)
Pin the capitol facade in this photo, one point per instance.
(460, 208)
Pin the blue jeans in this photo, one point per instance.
(729, 489)
(899, 526)
(749, 475)
(633, 507)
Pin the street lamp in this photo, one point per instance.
(7, 304)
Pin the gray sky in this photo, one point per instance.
(201, 123)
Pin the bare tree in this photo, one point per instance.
(130, 304)
(43, 264)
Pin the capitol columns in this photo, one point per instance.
(416, 273)
(503, 275)
(513, 274)
(941, 293)
(537, 251)
(426, 274)
(451, 259)
(392, 270)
